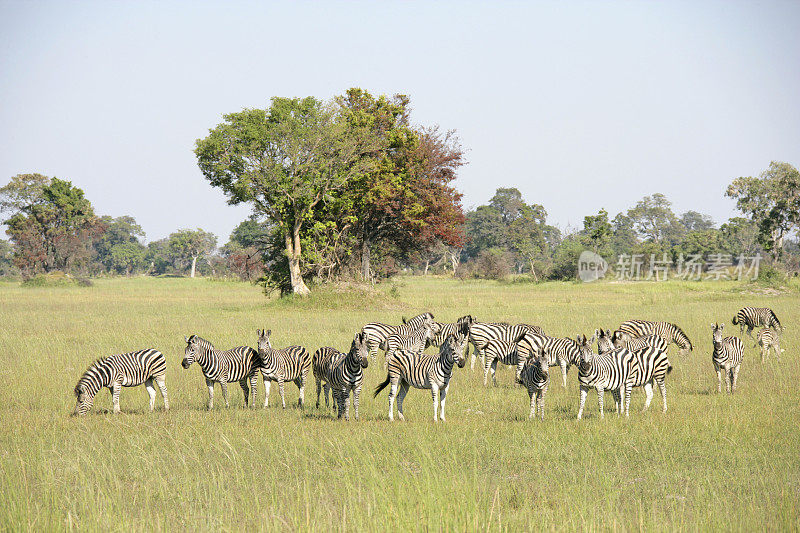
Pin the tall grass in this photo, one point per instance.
(711, 462)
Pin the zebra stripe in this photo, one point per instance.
(416, 341)
(561, 352)
(534, 375)
(605, 371)
(423, 371)
(288, 364)
(465, 322)
(767, 339)
(752, 317)
(727, 356)
(480, 333)
(666, 330)
(650, 365)
(377, 332)
(237, 364)
(342, 374)
(123, 370)
(501, 351)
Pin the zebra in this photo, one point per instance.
(446, 330)
(377, 332)
(237, 364)
(123, 370)
(606, 371)
(666, 330)
(501, 351)
(342, 373)
(288, 364)
(727, 356)
(416, 341)
(621, 340)
(563, 352)
(423, 371)
(766, 339)
(480, 333)
(534, 375)
(751, 317)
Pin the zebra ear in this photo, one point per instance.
(186, 339)
(268, 333)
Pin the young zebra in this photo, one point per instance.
(416, 341)
(288, 364)
(752, 317)
(727, 356)
(561, 352)
(377, 332)
(534, 375)
(123, 370)
(666, 330)
(342, 374)
(767, 339)
(237, 364)
(423, 371)
(501, 351)
(463, 323)
(605, 371)
(480, 333)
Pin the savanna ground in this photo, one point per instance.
(712, 462)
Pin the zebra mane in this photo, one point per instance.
(86, 377)
(682, 335)
(775, 318)
(201, 341)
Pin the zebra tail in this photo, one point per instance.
(380, 387)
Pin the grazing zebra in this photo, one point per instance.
(534, 375)
(605, 371)
(416, 341)
(377, 332)
(752, 317)
(501, 351)
(727, 356)
(123, 370)
(562, 352)
(767, 339)
(465, 322)
(666, 330)
(622, 340)
(423, 371)
(342, 374)
(650, 365)
(237, 364)
(480, 333)
(288, 364)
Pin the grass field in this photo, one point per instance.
(712, 462)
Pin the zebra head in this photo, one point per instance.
(84, 400)
(604, 342)
(453, 349)
(359, 349)
(716, 336)
(585, 348)
(263, 340)
(191, 352)
(620, 339)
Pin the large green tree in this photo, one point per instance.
(187, 246)
(772, 200)
(284, 160)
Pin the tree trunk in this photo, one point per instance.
(293, 255)
(454, 260)
(194, 264)
(365, 260)
(427, 263)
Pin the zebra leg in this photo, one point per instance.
(356, 396)
(628, 389)
(346, 400)
(246, 390)
(329, 389)
(301, 384)
(648, 391)
(280, 389)
(600, 400)
(494, 372)
(210, 385)
(392, 395)
(617, 396)
(474, 353)
(151, 391)
(718, 369)
(162, 385)
(662, 386)
(442, 398)
(485, 374)
(224, 386)
(777, 347)
(533, 397)
(401, 395)
(734, 377)
(542, 393)
(116, 387)
(253, 389)
(435, 395)
(267, 385)
(563, 365)
(584, 392)
(319, 389)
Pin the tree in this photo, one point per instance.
(128, 256)
(773, 202)
(284, 160)
(23, 191)
(121, 231)
(244, 253)
(653, 218)
(187, 246)
(597, 230)
(527, 233)
(623, 234)
(740, 236)
(694, 221)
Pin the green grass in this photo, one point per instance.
(712, 462)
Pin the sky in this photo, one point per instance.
(579, 105)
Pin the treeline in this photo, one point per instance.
(351, 189)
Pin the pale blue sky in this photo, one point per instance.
(581, 105)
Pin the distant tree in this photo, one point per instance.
(653, 218)
(527, 233)
(6, 258)
(244, 252)
(284, 160)
(740, 236)
(694, 221)
(597, 231)
(158, 257)
(624, 236)
(485, 229)
(187, 246)
(773, 202)
(118, 232)
(509, 204)
(23, 191)
(128, 256)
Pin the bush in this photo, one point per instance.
(56, 279)
(493, 263)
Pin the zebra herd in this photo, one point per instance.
(634, 355)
